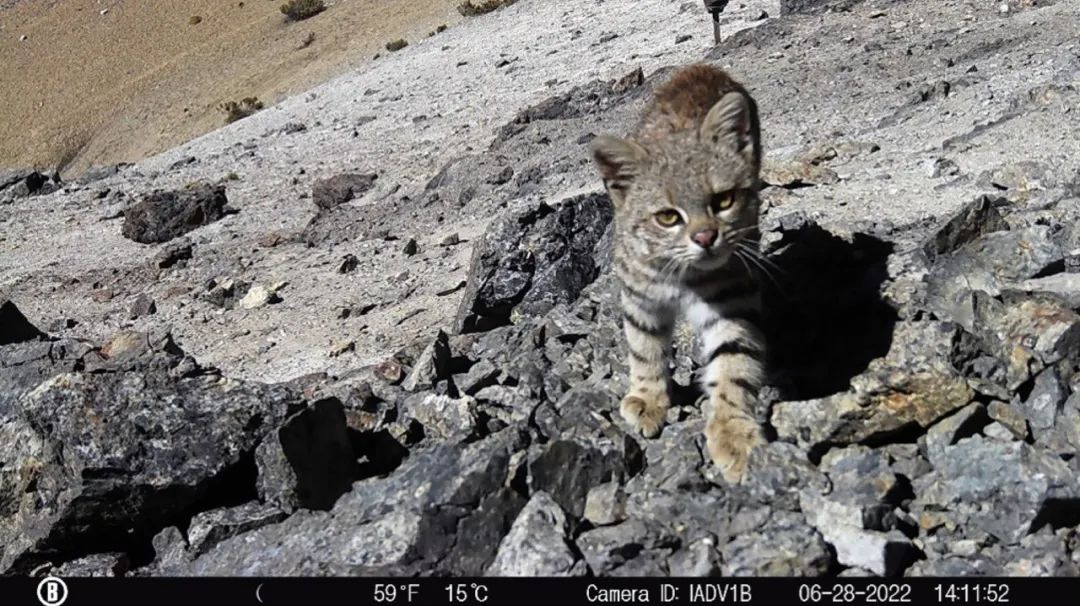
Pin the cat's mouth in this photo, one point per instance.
(714, 258)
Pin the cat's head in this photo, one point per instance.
(689, 198)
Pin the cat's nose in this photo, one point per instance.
(705, 237)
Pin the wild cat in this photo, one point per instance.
(684, 185)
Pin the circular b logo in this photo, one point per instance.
(52, 591)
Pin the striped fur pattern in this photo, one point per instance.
(684, 186)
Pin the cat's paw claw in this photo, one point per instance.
(731, 442)
(644, 415)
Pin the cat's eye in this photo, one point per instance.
(668, 217)
(722, 201)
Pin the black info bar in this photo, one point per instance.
(53, 591)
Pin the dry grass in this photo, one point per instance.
(238, 110)
(472, 8)
(298, 10)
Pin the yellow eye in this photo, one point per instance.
(722, 201)
(668, 217)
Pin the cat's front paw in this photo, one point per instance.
(731, 440)
(645, 413)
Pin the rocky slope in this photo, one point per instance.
(207, 403)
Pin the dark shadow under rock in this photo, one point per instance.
(824, 316)
(24, 183)
(311, 463)
(14, 327)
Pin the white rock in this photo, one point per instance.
(257, 296)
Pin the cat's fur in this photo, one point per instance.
(696, 147)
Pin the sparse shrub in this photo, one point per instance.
(472, 8)
(194, 20)
(438, 30)
(298, 10)
(396, 45)
(237, 110)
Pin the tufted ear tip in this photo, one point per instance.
(729, 123)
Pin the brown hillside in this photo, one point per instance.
(86, 88)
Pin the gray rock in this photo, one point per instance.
(567, 470)
(163, 215)
(605, 504)
(1044, 403)
(1009, 417)
(913, 385)
(1025, 336)
(349, 263)
(97, 173)
(443, 417)
(797, 7)
(174, 254)
(339, 189)
(632, 548)
(960, 424)
(95, 565)
(974, 220)
(863, 481)
(698, 559)
(23, 366)
(988, 264)
(431, 366)
(170, 548)
(111, 456)
(25, 183)
(445, 510)
(955, 567)
(143, 306)
(209, 528)
(480, 375)
(531, 261)
(1069, 421)
(1004, 489)
(784, 546)
(1065, 286)
(1021, 176)
(257, 295)
(1000, 432)
(536, 544)
(841, 525)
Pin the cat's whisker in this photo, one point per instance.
(764, 258)
(757, 263)
(764, 271)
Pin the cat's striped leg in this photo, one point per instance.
(648, 327)
(732, 373)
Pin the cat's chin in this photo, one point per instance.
(712, 261)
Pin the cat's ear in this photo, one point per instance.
(729, 125)
(619, 161)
